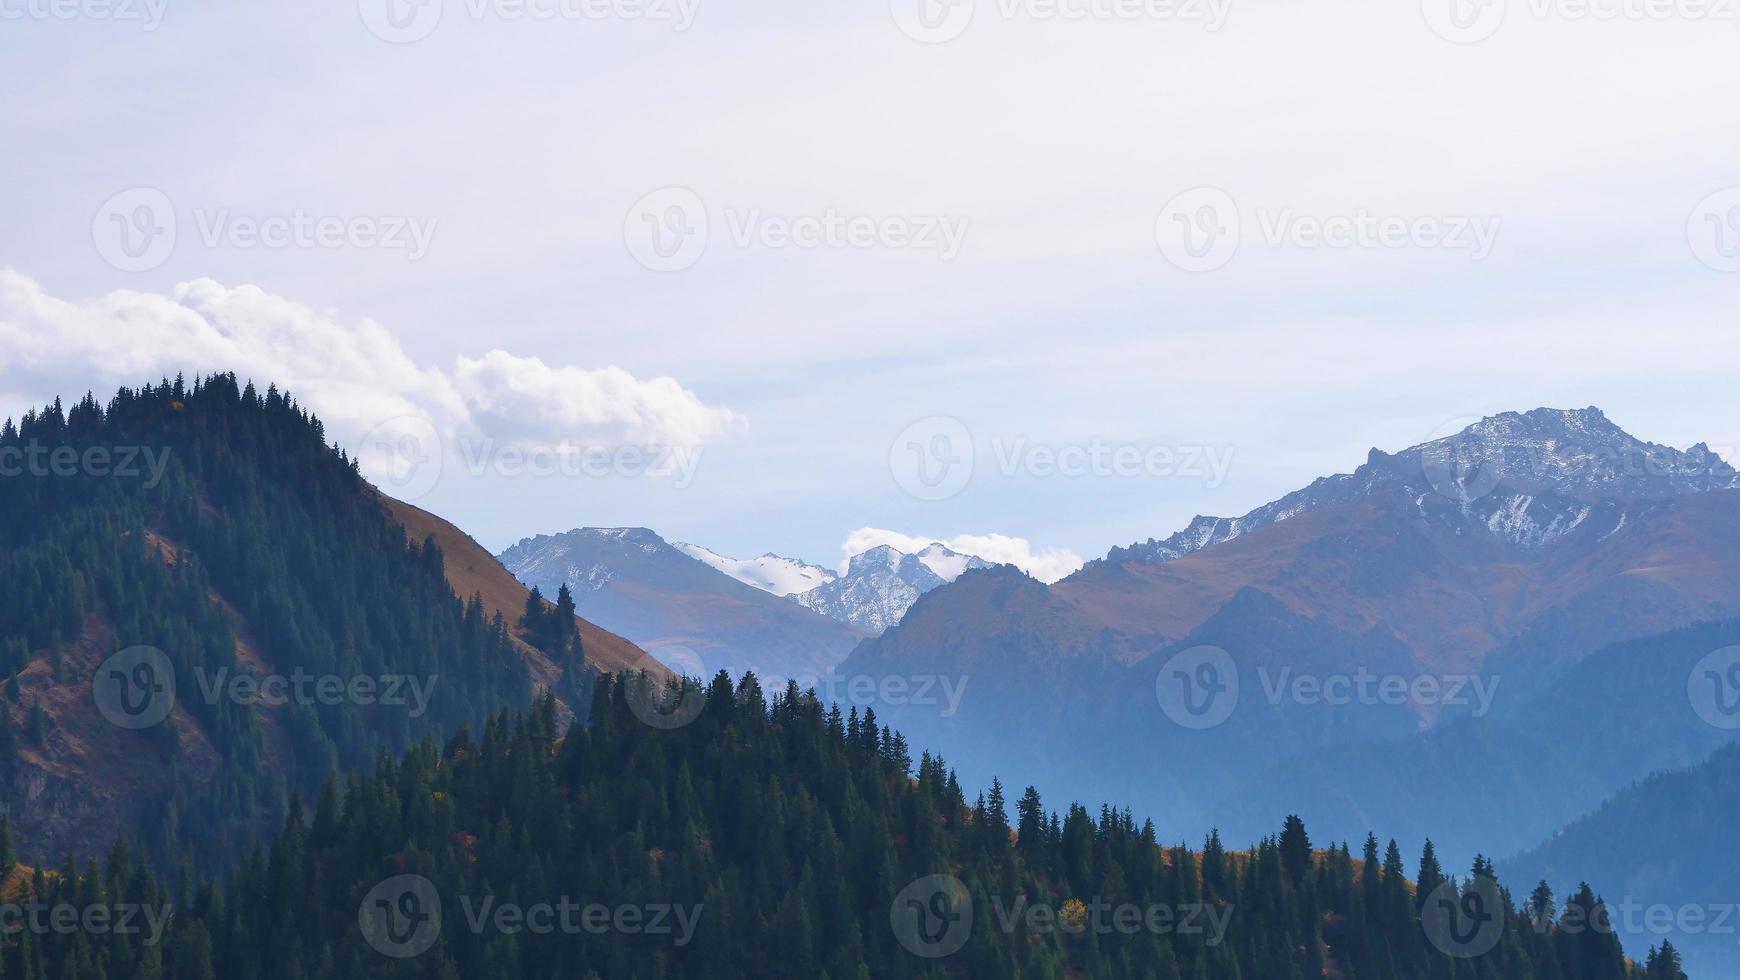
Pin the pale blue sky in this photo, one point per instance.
(526, 147)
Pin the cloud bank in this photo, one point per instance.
(354, 374)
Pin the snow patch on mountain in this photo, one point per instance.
(881, 584)
(1046, 565)
(1526, 478)
(553, 557)
(769, 573)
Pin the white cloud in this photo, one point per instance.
(511, 392)
(355, 375)
(1047, 565)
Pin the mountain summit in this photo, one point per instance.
(1512, 549)
(881, 584)
(1497, 471)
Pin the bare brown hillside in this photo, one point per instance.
(472, 570)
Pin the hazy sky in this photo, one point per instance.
(1131, 261)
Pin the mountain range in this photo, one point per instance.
(700, 611)
(1546, 566)
(1582, 581)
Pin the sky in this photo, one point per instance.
(1036, 277)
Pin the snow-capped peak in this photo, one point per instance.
(770, 572)
(1526, 477)
(881, 584)
(948, 564)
